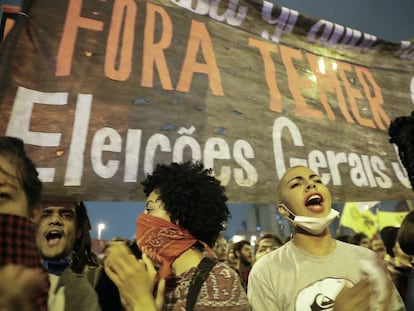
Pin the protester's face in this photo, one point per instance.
(303, 192)
(246, 254)
(13, 199)
(155, 207)
(57, 230)
(265, 246)
(365, 242)
(377, 246)
(231, 257)
(220, 248)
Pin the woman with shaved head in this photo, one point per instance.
(313, 271)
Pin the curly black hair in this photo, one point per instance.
(406, 234)
(193, 198)
(401, 132)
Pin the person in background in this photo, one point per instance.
(406, 242)
(20, 192)
(64, 243)
(360, 239)
(377, 245)
(313, 271)
(184, 214)
(220, 248)
(397, 261)
(231, 257)
(266, 244)
(245, 259)
(389, 237)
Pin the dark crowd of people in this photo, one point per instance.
(180, 259)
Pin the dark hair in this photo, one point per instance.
(401, 132)
(357, 238)
(271, 236)
(406, 234)
(13, 150)
(239, 245)
(343, 238)
(193, 198)
(82, 253)
(389, 237)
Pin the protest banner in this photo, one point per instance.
(101, 91)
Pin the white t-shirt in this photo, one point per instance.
(290, 279)
(56, 301)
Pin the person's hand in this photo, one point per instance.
(29, 280)
(135, 278)
(20, 286)
(381, 282)
(356, 298)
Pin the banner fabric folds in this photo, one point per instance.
(102, 91)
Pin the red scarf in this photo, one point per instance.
(163, 241)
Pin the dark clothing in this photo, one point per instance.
(107, 291)
(18, 246)
(108, 294)
(400, 275)
(244, 276)
(409, 294)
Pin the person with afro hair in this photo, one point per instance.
(401, 133)
(184, 215)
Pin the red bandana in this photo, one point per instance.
(163, 241)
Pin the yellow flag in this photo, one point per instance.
(393, 219)
(360, 221)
